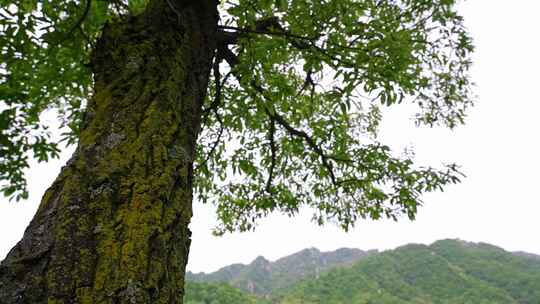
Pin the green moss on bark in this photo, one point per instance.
(113, 228)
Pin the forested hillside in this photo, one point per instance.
(448, 271)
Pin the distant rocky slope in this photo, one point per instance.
(447, 271)
(263, 277)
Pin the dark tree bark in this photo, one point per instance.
(113, 228)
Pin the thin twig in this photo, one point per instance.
(216, 142)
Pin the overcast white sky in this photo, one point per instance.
(498, 149)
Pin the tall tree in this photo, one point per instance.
(256, 106)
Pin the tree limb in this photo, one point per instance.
(273, 152)
(215, 104)
(77, 24)
(232, 60)
(216, 142)
(275, 29)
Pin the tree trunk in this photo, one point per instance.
(113, 228)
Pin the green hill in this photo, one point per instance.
(448, 271)
(207, 293)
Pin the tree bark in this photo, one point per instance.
(113, 228)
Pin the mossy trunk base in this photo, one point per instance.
(113, 228)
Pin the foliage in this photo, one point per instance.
(44, 49)
(291, 119)
(198, 293)
(495, 266)
(448, 271)
(302, 109)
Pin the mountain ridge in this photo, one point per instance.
(446, 271)
(262, 276)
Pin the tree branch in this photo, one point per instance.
(281, 33)
(216, 142)
(77, 24)
(215, 104)
(273, 151)
(217, 83)
(232, 60)
(308, 139)
(271, 26)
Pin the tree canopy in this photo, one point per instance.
(293, 108)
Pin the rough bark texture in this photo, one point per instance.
(113, 228)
